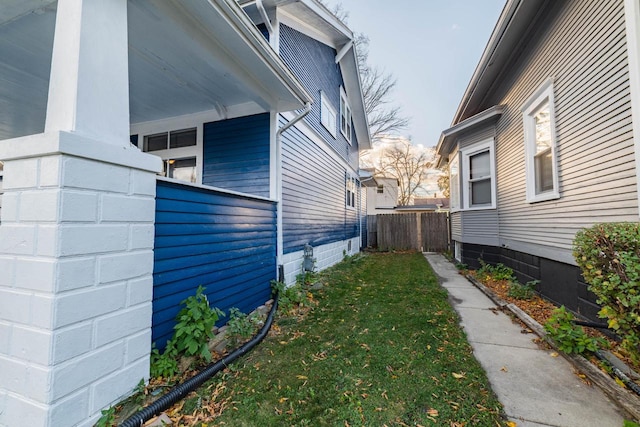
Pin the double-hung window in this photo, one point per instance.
(345, 116)
(540, 145)
(328, 115)
(478, 176)
(351, 189)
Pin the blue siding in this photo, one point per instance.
(236, 154)
(313, 63)
(203, 237)
(363, 213)
(314, 193)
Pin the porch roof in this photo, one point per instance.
(184, 57)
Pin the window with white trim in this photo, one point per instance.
(178, 150)
(454, 182)
(352, 186)
(345, 116)
(541, 166)
(328, 115)
(478, 176)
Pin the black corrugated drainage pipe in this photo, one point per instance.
(618, 373)
(179, 391)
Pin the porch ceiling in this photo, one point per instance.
(184, 57)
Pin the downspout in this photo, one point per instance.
(280, 239)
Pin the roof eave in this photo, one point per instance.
(515, 20)
(298, 95)
(449, 136)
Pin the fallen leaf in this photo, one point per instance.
(302, 377)
(554, 354)
(512, 424)
(504, 369)
(458, 376)
(432, 412)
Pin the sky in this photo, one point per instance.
(431, 47)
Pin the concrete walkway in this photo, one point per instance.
(535, 388)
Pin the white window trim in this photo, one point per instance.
(351, 180)
(175, 124)
(465, 193)
(327, 115)
(455, 201)
(345, 101)
(541, 96)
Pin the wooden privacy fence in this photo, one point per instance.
(426, 231)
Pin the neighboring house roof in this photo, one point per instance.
(414, 208)
(327, 28)
(367, 179)
(184, 57)
(442, 202)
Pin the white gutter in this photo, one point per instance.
(279, 233)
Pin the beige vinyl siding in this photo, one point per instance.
(584, 50)
(456, 226)
(478, 226)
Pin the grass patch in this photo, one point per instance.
(382, 347)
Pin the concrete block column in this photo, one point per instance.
(76, 256)
(76, 237)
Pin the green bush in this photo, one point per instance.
(496, 272)
(523, 292)
(241, 326)
(569, 337)
(609, 256)
(289, 297)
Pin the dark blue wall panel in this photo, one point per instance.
(314, 193)
(313, 63)
(223, 242)
(236, 154)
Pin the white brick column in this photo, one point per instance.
(76, 237)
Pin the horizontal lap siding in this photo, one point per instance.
(313, 63)
(236, 154)
(223, 242)
(583, 48)
(313, 195)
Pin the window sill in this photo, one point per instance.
(545, 197)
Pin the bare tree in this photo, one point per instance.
(443, 181)
(396, 157)
(377, 85)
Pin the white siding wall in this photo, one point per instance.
(583, 48)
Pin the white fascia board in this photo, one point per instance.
(249, 33)
(305, 28)
(353, 88)
(494, 40)
(448, 136)
(632, 22)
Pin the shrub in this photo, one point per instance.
(289, 297)
(569, 337)
(241, 326)
(496, 272)
(192, 332)
(195, 326)
(609, 256)
(523, 292)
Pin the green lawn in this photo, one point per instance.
(382, 347)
